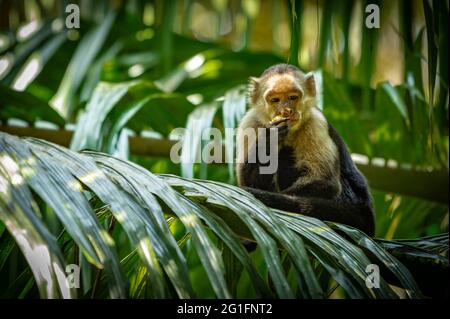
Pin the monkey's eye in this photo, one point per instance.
(293, 97)
(275, 100)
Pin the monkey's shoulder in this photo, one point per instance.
(254, 119)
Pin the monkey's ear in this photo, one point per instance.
(253, 89)
(310, 84)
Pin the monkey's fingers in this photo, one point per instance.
(283, 129)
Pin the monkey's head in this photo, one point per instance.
(283, 90)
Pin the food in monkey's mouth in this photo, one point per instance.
(284, 116)
(278, 119)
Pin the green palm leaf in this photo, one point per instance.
(156, 265)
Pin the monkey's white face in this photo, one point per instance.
(288, 94)
(283, 96)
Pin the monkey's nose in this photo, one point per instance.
(287, 112)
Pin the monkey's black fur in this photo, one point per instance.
(352, 205)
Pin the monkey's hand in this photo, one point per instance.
(282, 127)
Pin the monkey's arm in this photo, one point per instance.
(249, 170)
(358, 216)
(326, 188)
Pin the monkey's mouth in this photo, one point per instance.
(278, 119)
(286, 116)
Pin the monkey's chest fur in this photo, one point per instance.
(308, 155)
(288, 171)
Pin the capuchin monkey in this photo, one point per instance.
(315, 176)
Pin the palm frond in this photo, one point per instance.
(216, 216)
